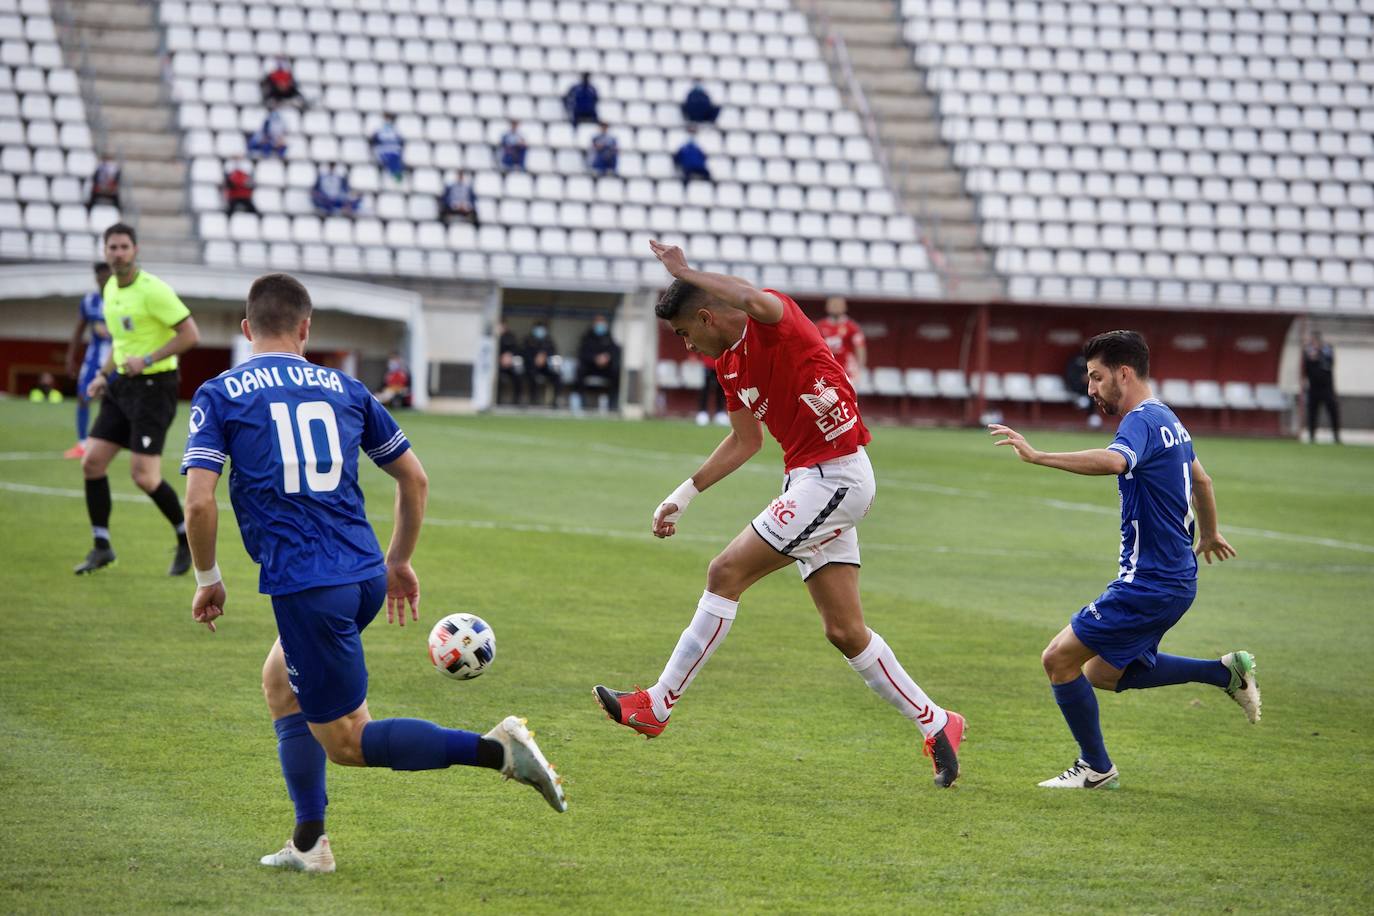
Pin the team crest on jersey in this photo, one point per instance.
(834, 417)
(784, 510)
(197, 418)
(127, 321)
(751, 395)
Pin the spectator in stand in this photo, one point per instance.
(104, 183)
(270, 138)
(711, 400)
(697, 108)
(508, 365)
(604, 157)
(1076, 384)
(458, 200)
(513, 149)
(541, 365)
(1319, 384)
(598, 360)
(844, 337)
(331, 194)
(690, 159)
(279, 87)
(395, 384)
(238, 189)
(46, 391)
(580, 102)
(389, 148)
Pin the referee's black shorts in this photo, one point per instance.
(137, 411)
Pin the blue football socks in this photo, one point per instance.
(414, 744)
(1174, 669)
(302, 763)
(1078, 703)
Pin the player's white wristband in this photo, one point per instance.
(681, 497)
(208, 577)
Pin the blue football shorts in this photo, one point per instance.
(321, 633)
(1127, 621)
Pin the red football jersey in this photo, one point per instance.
(786, 374)
(844, 338)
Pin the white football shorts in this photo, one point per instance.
(814, 519)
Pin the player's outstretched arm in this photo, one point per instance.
(1210, 543)
(202, 528)
(742, 443)
(412, 492)
(1093, 462)
(732, 291)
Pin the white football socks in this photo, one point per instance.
(701, 638)
(881, 671)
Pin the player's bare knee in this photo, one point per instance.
(346, 749)
(723, 577)
(846, 637)
(93, 466)
(147, 481)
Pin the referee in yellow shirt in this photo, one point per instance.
(149, 327)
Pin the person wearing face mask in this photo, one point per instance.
(540, 365)
(598, 362)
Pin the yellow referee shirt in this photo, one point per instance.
(141, 317)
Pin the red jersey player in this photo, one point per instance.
(843, 336)
(776, 369)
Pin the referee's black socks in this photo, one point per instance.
(167, 501)
(98, 507)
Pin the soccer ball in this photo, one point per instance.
(462, 646)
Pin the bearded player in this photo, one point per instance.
(776, 369)
(1166, 497)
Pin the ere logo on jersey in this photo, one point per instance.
(834, 418)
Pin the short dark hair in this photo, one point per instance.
(121, 229)
(677, 298)
(1115, 349)
(276, 304)
(98, 266)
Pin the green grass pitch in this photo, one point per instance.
(138, 769)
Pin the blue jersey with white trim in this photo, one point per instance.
(291, 432)
(1156, 498)
(93, 313)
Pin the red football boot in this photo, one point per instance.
(943, 750)
(631, 708)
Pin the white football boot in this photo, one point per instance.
(319, 858)
(1243, 688)
(525, 764)
(1082, 776)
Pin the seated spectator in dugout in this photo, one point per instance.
(458, 201)
(104, 183)
(541, 356)
(690, 159)
(279, 86)
(697, 108)
(238, 189)
(270, 138)
(598, 360)
(580, 101)
(604, 156)
(395, 391)
(508, 366)
(513, 149)
(46, 391)
(389, 148)
(332, 195)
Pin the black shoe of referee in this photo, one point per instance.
(181, 563)
(98, 558)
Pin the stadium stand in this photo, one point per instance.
(1163, 151)
(46, 149)
(799, 198)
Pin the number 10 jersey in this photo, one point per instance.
(291, 432)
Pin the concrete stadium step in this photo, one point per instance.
(922, 157)
(141, 145)
(901, 106)
(132, 93)
(911, 132)
(159, 199)
(136, 118)
(942, 183)
(855, 11)
(152, 249)
(155, 172)
(132, 41)
(877, 81)
(124, 66)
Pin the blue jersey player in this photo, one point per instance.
(1113, 643)
(291, 432)
(91, 316)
